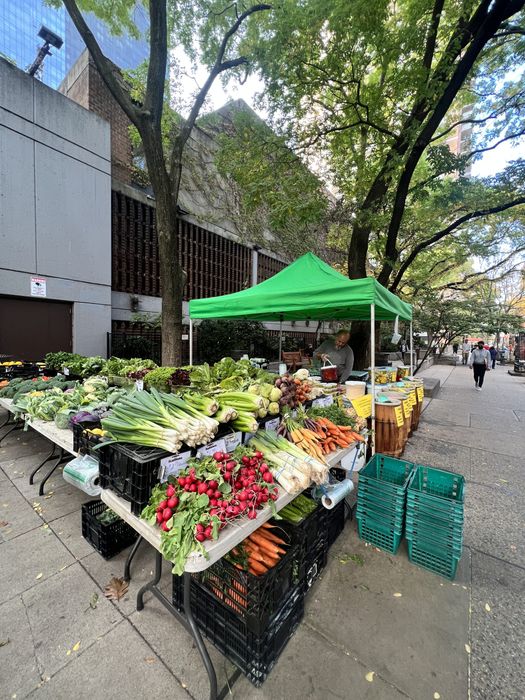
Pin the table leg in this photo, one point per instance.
(62, 457)
(127, 565)
(194, 631)
(17, 425)
(6, 421)
(51, 455)
(151, 585)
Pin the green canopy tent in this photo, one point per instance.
(308, 289)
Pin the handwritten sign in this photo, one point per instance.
(412, 398)
(323, 401)
(420, 393)
(272, 424)
(407, 408)
(398, 411)
(211, 447)
(363, 406)
(173, 465)
(232, 441)
(139, 385)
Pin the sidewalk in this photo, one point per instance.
(376, 627)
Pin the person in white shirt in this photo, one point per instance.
(480, 361)
(465, 349)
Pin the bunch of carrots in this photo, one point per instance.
(318, 437)
(264, 550)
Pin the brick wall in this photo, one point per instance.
(84, 85)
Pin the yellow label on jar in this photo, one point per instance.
(363, 405)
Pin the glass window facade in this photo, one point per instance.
(20, 21)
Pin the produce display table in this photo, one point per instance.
(59, 437)
(7, 404)
(235, 533)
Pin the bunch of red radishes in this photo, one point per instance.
(241, 487)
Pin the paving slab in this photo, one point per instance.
(18, 467)
(504, 423)
(498, 469)
(441, 412)
(20, 443)
(497, 629)
(29, 560)
(142, 570)
(379, 627)
(424, 449)
(19, 667)
(311, 667)
(495, 521)
(16, 515)
(60, 616)
(69, 529)
(118, 665)
(175, 647)
(474, 437)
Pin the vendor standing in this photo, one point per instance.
(337, 351)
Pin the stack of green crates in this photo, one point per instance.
(381, 497)
(434, 520)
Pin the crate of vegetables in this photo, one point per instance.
(253, 653)
(256, 579)
(104, 530)
(131, 471)
(86, 436)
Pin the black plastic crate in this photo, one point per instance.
(333, 523)
(314, 561)
(84, 443)
(306, 532)
(107, 539)
(130, 471)
(254, 599)
(254, 654)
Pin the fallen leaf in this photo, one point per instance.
(76, 646)
(94, 600)
(49, 495)
(45, 526)
(3, 642)
(467, 648)
(397, 595)
(464, 588)
(184, 685)
(116, 588)
(3, 523)
(150, 660)
(39, 576)
(487, 607)
(370, 676)
(63, 567)
(436, 696)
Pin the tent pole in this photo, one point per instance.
(411, 350)
(191, 341)
(280, 339)
(372, 369)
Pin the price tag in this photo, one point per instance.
(173, 465)
(247, 437)
(412, 398)
(328, 401)
(420, 393)
(407, 408)
(139, 385)
(272, 424)
(399, 416)
(232, 441)
(211, 447)
(317, 403)
(65, 370)
(363, 406)
(323, 401)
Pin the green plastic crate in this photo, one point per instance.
(379, 535)
(438, 483)
(439, 548)
(395, 505)
(392, 474)
(381, 491)
(440, 528)
(380, 515)
(424, 509)
(441, 563)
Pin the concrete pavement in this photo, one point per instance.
(376, 627)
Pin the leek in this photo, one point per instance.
(241, 400)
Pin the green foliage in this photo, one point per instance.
(224, 338)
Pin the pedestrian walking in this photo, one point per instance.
(465, 350)
(493, 354)
(455, 348)
(480, 362)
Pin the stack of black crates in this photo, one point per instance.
(250, 619)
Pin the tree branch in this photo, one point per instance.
(447, 231)
(104, 66)
(459, 285)
(219, 67)
(430, 44)
(158, 58)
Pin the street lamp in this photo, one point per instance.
(50, 39)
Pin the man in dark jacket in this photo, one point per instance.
(493, 355)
